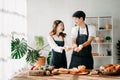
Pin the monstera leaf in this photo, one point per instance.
(32, 56)
(18, 48)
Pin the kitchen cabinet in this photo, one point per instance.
(102, 46)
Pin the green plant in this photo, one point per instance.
(48, 58)
(39, 41)
(107, 38)
(19, 48)
(118, 48)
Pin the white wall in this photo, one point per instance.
(42, 13)
(12, 20)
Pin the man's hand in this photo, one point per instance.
(74, 46)
(78, 49)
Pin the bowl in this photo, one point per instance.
(99, 40)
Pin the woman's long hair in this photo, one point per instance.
(54, 28)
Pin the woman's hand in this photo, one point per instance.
(62, 48)
(67, 48)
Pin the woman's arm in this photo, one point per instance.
(54, 46)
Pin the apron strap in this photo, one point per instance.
(54, 39)
(86, 30)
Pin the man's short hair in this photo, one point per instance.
(79, 14)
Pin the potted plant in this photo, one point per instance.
(118, 50)
(20, 48)
(107, 38)
(48, 58)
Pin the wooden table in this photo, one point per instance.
(25, 76)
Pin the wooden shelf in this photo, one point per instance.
(102, 56)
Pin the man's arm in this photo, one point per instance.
(88, 42)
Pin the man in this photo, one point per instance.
(82, 36)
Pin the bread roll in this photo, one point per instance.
(63, 70)
(82, 68)
(54, 71)
(72, 71)
(102, 68)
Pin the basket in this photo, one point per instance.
(36, 72)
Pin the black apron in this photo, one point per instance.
(84, 57)
(58, 59)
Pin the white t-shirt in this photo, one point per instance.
(91, 30)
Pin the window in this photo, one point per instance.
(12, 19)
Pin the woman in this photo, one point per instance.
(82, 36)
(56, 41)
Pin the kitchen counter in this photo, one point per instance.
(25, 76)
